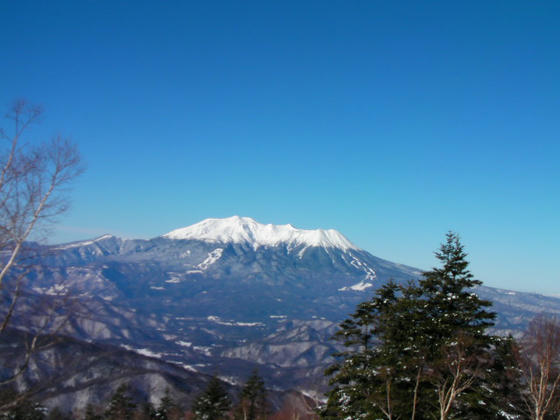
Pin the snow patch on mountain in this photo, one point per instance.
(211, 259)
(217, 320)
(184, 366)
(144, 352)
(246, 230)
(370, 272)
(54, 290)
(358, 287)
(174, 278)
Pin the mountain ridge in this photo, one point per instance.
(245, 229)
(231, 306)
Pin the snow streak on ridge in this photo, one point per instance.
(83, 243)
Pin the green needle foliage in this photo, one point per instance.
(121, 406)
(252, 402)
(168, 408)
(213, 404)
(91, 413)
(422, 350)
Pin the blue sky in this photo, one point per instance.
(392, 122)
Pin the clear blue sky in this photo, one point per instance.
(392, 122)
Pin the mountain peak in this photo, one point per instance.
(246, 230)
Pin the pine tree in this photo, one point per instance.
(212, 404)
(57, 414)
(149, 412)
(252, 402)
(22, 408)
(421, 350)
(91, 413)
(368, 375)
(454, 323)
(504, 380)
(121, 406)
(167, 409)
(25, 410)
(450, 301)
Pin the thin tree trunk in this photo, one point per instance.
(415, 399)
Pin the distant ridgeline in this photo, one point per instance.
(225, 296)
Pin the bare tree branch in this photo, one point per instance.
(456, 373)
(14, 299)
(34, 181)
(539, 359)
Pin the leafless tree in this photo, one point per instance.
(539, 359)
(455, 373)
(296, 407)
(34, 182)
(417, 379)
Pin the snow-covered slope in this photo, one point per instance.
(244, 229)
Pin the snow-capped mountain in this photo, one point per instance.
(246, 230)
(231, 294)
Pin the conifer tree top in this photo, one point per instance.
(454, 270)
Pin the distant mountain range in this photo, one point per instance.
(228, 295)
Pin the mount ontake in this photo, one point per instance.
(227, 296)
(246, 230)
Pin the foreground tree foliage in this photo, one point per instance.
(92, 413)
(168, 408)
(121, 406)
(422, 351)
(252, 401)
(377, 379)
(213, 404)
(23, 410)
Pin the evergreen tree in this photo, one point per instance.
(366, 375)
(212, 404)
(450, 304)
(504, 382)
(16, 407)
(455, 322)
(421, 351)
(121, 406)
(149, 412)
(57, 414)
(252, 402)
(25, 410)
(92, 413)
(167, 409)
